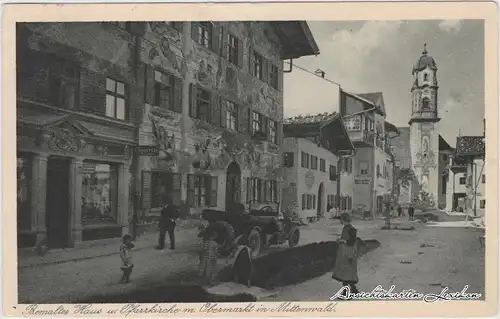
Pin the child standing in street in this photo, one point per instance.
(208, 256)
(126, 257)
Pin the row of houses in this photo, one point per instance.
(112, 117)
(353, 148)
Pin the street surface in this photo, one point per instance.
(454, 260)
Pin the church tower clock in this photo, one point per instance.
(424, 134)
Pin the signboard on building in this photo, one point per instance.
(362, 180)
(147, 150)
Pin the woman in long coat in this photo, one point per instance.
(346, 264)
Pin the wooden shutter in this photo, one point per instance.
(265, 70)
(215, 109)
(264, 189)
(213, 191)
(216, 45)
(177, 90)
(149, 79)
(190, 190)
(192, 101)
(250, 61)
(265, 126)
(222, 103)
(146, 190)
(303, 201)
(243, 118)
(176, 188)
(280, 78)
(249, 189)
(223, 42)
(240, 52)
(194, 31)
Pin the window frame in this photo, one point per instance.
(333, 173)
(322, 165)
(198, 93)
(274, 76)
(198, 187)
(257, 120)
(273, 131)
(159, 86)
(462, 180)
(258, 65)
(59, 75)
(231, 50)
(256, 190)
(204, 32)
(117, 96)
(231, 116)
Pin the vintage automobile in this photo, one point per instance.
(258, 228)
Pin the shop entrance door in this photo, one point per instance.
(57, 203)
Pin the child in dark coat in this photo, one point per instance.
(126, 258)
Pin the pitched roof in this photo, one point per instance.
(470, 146)
(309, 119)
(376, 98)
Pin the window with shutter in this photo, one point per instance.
(213, 191)
(273, 76)
(163, 90)
(230, 116)
(231, 50)
(314, 201)
(177, 107)
(64, 84)
(256, 65)
(202, 33)
(322, 165)
(265, 198)
(249, 189)
(215, 108)
(333, 173)
(116, 105)
(216, 37)
(272, 132)
(190, 190)
(303, 201)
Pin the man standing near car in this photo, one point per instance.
(167, 224)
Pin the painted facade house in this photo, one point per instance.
(78, 103)
(373, 165)
(314, 147)
(115, 116)
(214, 108)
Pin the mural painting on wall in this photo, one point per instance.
(165, 143)
(201, 158)
(167, 117)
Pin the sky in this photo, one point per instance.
(378, 56)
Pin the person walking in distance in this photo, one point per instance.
(346, 265)
(400, 211)
(167, 224)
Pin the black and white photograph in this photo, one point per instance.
(242, 161)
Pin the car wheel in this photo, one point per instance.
(254, 242)
(293, 240)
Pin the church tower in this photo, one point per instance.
(424, 120)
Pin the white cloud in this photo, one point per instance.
(450, 25)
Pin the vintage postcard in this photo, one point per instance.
(319, 159)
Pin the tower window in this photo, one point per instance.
(426, 77)
(425, 104)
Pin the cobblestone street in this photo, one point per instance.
(76, 280)
(451, 258)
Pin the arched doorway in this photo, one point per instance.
(319, 207)
(233, 185)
